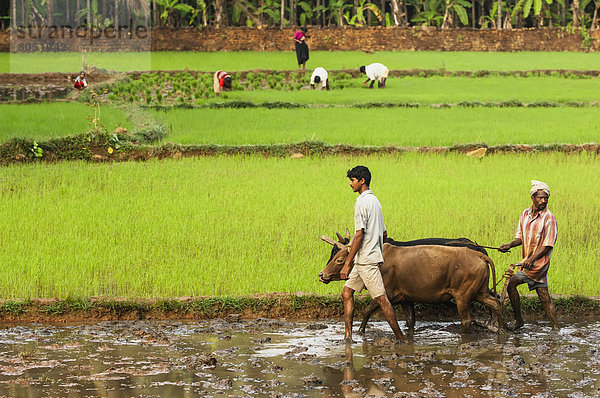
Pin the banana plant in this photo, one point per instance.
(307, 12)
(359, 18)
(170, 6)
(337, 9)
(270, 8)
(432, 15)
(97, 21)
(458, 6)
(525, 7)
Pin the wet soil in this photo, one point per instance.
(281, 358)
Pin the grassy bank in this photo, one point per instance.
(283, 60)
(244, 225)
(404, 126)
(276, 305)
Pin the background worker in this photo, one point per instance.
(366, 252)
(537, 231)
(374, 72)
(222, 82)
(301, 47)
(80, 81)
(319, 76)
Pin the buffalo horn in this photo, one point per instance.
(347, 234)
(332, 242)
(340, 237)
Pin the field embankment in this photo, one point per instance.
(271, 305)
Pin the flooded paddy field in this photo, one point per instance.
(282, 358)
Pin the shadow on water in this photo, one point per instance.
(274, 358)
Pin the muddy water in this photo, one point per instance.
(273, 358)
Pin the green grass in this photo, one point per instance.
(242, 225)
(284, 60)
(46, 120)
(395, 126)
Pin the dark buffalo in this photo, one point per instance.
(432, 271)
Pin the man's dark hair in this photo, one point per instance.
(317, 79)
(363, 69)
(304, 29)
(360, 172)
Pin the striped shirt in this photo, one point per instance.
(535, 232)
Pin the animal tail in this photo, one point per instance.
(490, 264)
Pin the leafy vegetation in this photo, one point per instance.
(202, 13)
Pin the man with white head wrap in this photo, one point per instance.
(537, 231)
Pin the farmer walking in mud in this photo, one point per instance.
(537, 231)
(366, 253)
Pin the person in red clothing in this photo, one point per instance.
(537, 232)
(301, 47)
(222, 82)
(80, 83)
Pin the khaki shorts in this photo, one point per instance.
(368, 276)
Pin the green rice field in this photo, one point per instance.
(435, 90)
(243, 225)
(245, 60)
(180, 88)
(47, 120)
(361, 126)
(394, 126)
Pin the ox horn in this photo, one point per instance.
(347, 234)
(332, 242)
(340, 237)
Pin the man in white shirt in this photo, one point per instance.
(374, 72)
(319, 76)
(366, 253)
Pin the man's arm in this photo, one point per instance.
(358, 238)
(539, 253)
(506, 246)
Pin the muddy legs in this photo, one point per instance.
(348, 298)
(515, 300)
(544, 297)
(390, 316)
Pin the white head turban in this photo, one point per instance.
(538, 186)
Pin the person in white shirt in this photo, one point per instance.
(361, 268)
(319, 76)
(374, 72)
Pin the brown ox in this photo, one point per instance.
(427, 274)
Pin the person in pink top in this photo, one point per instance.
(536, 232)
(301, 47)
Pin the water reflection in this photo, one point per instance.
(264, 357)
